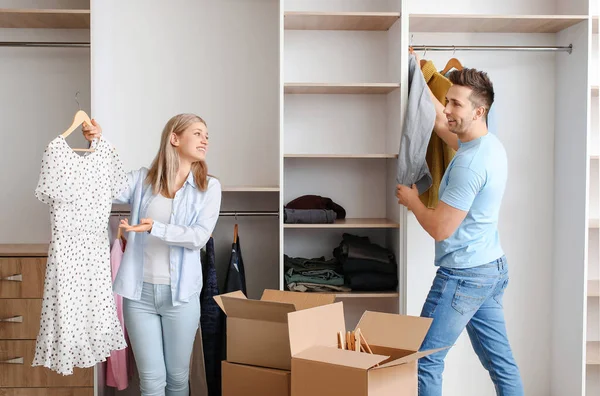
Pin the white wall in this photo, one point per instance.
(37, 103)
(218, 59)
(524, 87)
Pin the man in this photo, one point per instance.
(472, 275)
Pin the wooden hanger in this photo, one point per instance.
(235, 233)
(452, 63)
(80, 117)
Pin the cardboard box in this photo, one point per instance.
(243, 380)
(257, 330)
(319, 367)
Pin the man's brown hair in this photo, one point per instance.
(479, 82)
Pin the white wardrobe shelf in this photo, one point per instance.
(300, 20)
(350, 223)
(341, 156)
(492, 23)
(340, 88)
(44, 19)
(367, 295)
(593, 353)
(593, 289)
(249, 189)
(594, 223)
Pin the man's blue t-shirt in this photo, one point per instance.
(474, 182)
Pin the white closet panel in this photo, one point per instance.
(218, 59)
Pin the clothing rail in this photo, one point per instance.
(258, 213)
(44, 44)
(426, 48)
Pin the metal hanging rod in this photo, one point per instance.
(568, 48)
(258, 213)
(39, 44)
(248, 213)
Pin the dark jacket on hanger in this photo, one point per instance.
(211, 322)
(418, 125)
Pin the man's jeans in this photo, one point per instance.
(470, 298)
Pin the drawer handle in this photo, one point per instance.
(18, 360)
(14, 319)
(13, 278)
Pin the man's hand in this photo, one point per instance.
(91, 132)
(406, 196)
(144, 226)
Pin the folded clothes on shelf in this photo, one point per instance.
(309, 216)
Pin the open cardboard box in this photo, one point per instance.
(319, 367)
(257, 330)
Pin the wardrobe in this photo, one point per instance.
(309, 97)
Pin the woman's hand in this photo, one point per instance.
(144, 226)
(91, 132)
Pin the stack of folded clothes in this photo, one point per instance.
(366, 266)
(313, 275)
(312, 209)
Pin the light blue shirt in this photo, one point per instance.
(474, 182)
(192, 221)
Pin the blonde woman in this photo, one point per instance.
(174, 208)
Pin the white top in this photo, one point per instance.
(156, 251)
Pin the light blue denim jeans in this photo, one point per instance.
(470, 298)
(162, 337)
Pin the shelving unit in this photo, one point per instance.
(465, 23)
(249, 189)
(340, 129)
(350, 224)
(341, 156)
(593, 353)
(44, 19)
(340, 88)
(301, 20)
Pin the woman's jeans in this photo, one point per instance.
(162, 337)
(470, 298)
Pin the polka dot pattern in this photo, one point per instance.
(79, 326)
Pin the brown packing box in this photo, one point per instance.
(319, 367)
(257, 330)
(243, 380)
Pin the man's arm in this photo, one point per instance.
(440, 222)
(453, 206)
(441, 124)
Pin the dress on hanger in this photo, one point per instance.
(79, 326)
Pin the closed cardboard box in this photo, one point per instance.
(243, 380)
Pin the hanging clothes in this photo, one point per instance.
(211, 322)
(439, 154)
(236, 275)
(118, 364)
(79, 326)
(418, 124)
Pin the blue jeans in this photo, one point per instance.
(162, 337)
(470, 298)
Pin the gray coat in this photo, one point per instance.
(418, 125)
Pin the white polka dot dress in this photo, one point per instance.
(79, 326)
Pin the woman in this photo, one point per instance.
(160, 276)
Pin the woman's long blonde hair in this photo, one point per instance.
(163, 171)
